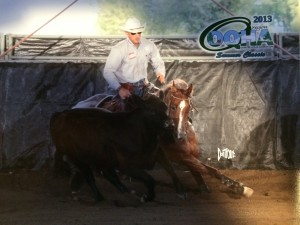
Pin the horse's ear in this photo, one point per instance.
(189, 91)
(173, 88)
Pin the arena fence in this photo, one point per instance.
(96, 48)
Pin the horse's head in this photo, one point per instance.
(178, 99)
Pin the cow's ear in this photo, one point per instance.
(161, 95)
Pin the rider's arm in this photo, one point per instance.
(112, 64)
(158, 64)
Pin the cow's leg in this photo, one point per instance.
(165, 163)
(112, 177)
(200, 181)
(145, 178)
(79, 171)
(62, 164)
(76, 178)
(90, 179)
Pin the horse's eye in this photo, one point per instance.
(173, 107)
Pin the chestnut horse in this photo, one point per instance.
(184, 148)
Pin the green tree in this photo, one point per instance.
(177, 17)
(163, 17)
(283, 12)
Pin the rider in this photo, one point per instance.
(126, 67)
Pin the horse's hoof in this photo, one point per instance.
(248, 192)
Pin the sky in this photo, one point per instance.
(27, 16)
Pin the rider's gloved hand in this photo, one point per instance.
(123, 92)
(160, 77)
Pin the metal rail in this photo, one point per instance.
(196, 54)
(2, 46)
(282, 43)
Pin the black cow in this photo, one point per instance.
(94, 139)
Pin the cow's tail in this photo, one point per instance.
(59, 164)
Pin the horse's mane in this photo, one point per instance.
(179, 84)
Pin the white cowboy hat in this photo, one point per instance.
(133, 25)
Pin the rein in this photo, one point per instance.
(189, 99)
(182, 99)
(174, 101)
(173, 96)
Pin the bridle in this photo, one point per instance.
(180, 127)
(178, 98)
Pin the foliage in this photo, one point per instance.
(283, 12)
(295, 12)
(176, 17)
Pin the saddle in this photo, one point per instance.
(112, 103)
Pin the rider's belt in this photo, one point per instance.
(132, 86)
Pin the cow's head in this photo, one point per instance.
(152, 105)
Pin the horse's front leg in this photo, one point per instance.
(196, 168)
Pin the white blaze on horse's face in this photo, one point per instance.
(180, 132)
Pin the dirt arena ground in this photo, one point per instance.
(38, 198)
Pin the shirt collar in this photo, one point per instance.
(128, 40)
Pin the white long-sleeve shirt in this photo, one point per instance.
(127, 63)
